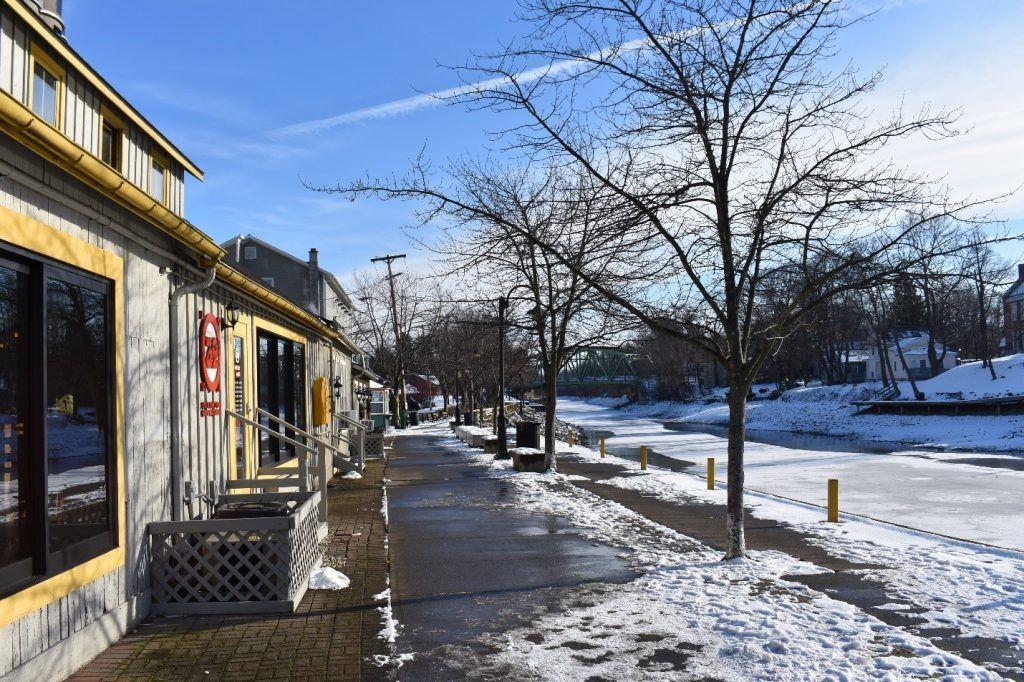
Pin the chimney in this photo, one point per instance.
(316, 299)
(1020, 271)
(51, 14)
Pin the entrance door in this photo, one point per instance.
(242, 400)
(281, 374)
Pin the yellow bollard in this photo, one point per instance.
(833, 500)
(570, 439)
(711, 473)
(602, 448)
(643, 456)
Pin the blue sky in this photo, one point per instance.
(227, 80)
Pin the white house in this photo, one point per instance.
(866, 365)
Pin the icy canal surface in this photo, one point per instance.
(924, 490)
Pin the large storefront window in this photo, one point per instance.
(281, 381)
(56, 412)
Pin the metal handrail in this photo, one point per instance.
(299, 431)
(349, 420)
(268, 430)
(306, 449)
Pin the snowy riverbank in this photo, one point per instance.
(975, 498)
(827, 410)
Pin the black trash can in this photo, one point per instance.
(467, 418)
(414, 418)
(528, 434)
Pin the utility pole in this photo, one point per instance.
(400, 389)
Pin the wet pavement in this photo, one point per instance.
(468, 564)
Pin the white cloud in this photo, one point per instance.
(429, 99)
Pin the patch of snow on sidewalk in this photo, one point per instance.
(327, 578)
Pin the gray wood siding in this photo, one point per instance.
(14, 47)
(146, 381)
(81, 115)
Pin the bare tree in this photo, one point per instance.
(373, 324)
(491, 234)
(736, 159)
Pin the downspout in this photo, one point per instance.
(176, 455)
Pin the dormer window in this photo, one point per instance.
(45, 88)
(158, 182)
(110, 144)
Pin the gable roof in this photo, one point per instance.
(332, 281)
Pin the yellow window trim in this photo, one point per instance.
(249, 385)
(284, 332)
(275, 328)
(30, 234)
(38, 56)
(115, 121)
(156, 158)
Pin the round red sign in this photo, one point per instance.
(209, 352)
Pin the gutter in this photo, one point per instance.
(22, 123)
(177, 456)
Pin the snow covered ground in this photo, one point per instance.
(828, 410)
(691, 615)
(924, 490)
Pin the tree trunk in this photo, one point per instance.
(906, 368)
(986, 358)
(883, 363)
(735, 541)
(550, 401)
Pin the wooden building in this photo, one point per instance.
(119, 363)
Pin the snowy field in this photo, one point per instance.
(926, 491)
(743, 620)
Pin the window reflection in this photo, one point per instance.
(76, 413)
(14, 531)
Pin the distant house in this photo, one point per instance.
(304, 283)
(1013, 315)
(866, 365)
(422, 388)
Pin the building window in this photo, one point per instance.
(250, 253)
(158, 182)
(269, 281)
(45, 94)
(110, 145)
(56, 397)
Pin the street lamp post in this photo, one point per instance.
(458, 396)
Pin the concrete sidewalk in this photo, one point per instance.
(467, 564)
(333, 634)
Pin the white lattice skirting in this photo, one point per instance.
(259, 565)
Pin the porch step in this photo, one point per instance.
(285, 482)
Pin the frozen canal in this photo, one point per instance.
(976, 497)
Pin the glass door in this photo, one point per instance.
(281, 388)
(242, 400)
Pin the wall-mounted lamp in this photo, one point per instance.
(231, 315)
(337, 387)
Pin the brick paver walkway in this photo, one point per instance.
(332, 635)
